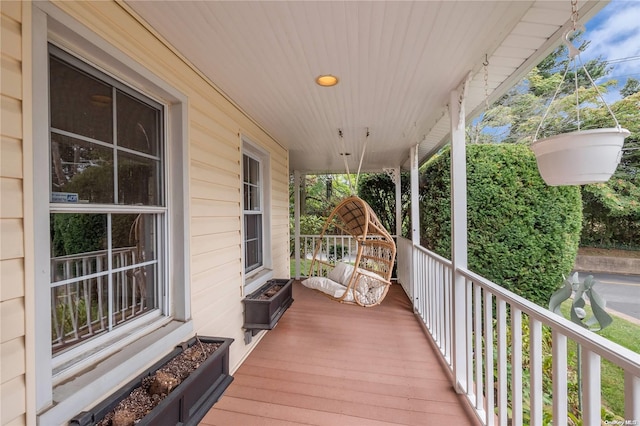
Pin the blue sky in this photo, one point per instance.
(615, 35)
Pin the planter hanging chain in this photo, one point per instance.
(485, 68)
(574, 53)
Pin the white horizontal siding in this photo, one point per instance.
(11, 157)
(13, 394)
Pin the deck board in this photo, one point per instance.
(328, 363)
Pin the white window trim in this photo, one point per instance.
(135, 350)
(257, 277)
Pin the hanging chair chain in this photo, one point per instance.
(346, 163)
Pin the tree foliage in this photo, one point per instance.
(517, 115)
(522, 234)
(631, 87)
(379, 191)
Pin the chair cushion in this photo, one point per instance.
(341, 273)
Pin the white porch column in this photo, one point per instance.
(415, 221)
(296, 215)
(398, 182)
(458, 235)
(415, 196)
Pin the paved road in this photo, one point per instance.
(622, 292)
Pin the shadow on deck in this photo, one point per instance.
(328, 363)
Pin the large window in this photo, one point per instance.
(256, 208)
(253, 213)
(110, 221)
(107, 210)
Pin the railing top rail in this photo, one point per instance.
(619, 355)
(429, 253)
(92, 254)
(333, 236)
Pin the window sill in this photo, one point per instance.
(256, 279)
(91, 386)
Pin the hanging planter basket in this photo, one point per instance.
(581, 157)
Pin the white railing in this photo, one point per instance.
(86, 301)
(333, 247)
(499, 387)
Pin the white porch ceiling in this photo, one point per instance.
(397, 63)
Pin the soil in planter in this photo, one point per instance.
(270, 292)
(156, 387)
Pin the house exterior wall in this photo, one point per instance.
(215, 126)
(12, 251)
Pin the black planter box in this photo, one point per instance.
(264, 314)
(188, 403)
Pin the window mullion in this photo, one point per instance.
(114, 106)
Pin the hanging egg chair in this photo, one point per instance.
(364, 278)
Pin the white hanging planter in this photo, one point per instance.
(579, 158)
(583, 156)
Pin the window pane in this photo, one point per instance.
(133, 293)
(251, 198)
(253, 241)
(245, 168)
(251, 170)
(253, 255)
(133, 239)
(138, 180)
(134, 242)
(254, 198)
(80, 310)
(81, 168)
(138, 125)
(79, 103)
(252, 226)
(247, 204)
(78, 245)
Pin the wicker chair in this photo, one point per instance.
(366, 281)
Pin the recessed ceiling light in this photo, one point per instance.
(327, 80)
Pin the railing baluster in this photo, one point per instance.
(591, 387)
(86, 267)
(432, 304)
(501, 312)
(477, 332)
(440, 301)
(560, 399)
(468, 316)
(446, 312)
(488, 353)
(631, 396)
(535, 346)
(516, 366)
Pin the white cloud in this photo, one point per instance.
(615, 34)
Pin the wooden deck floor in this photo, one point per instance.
(328, 363)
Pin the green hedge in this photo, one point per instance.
(522, 234)
(611, 215)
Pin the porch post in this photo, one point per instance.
(398, 181)
(415, 196)
(458, 235)
(415, 221)
(296, 216)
